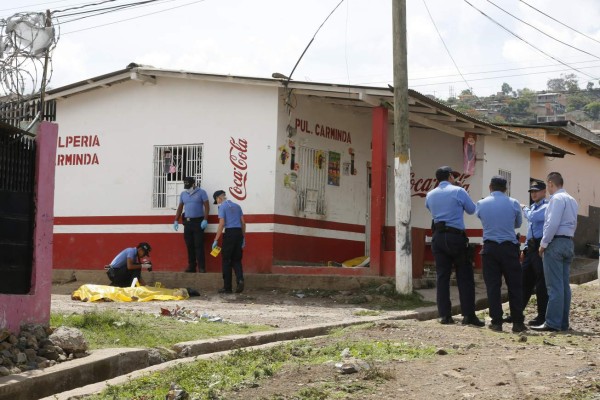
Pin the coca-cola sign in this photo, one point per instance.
(419, 187)
(238, 157)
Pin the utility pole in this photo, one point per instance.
(401, 152)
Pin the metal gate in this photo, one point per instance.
(17, 211)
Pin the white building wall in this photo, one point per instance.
(129, 119)
(345, 203)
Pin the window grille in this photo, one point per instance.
(506, 175)
(312, 177)
(172, 164)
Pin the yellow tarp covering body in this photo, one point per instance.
(128, 294)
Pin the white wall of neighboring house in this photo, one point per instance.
(129, 119)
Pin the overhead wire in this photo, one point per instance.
(527, 42)
(446, 47)
(557, 21)
(108, 10)
(541, 31)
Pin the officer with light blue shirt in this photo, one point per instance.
(195, 220)
(233, 228)
(500, 215)
(532, 265)
(447, 204)
(557, 250)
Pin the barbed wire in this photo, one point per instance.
(26, 43)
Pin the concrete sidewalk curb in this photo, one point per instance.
(106, 367)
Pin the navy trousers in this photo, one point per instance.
(450, 251)
(231, 254)
(534, 280)
(502, 260)
(193, 235)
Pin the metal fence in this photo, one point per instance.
(171, 165)
(17, 211)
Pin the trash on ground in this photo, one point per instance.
(186, 315)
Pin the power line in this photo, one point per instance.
(446, 47)
(525, 41)
(132, 18)
(542, 32)
(32, 5)
(563, 24)
(108, 10)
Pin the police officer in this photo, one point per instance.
(500, 215)
(195, 201)
(233, 228)
(557, 249)
(128, 265)
(533, 267)
(447, 204)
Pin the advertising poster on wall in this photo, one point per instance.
(333, 170)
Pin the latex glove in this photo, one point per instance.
(243, 243)
(176, 225)
(203, 224)
(215, 244)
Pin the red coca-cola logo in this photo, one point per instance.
(238, 158)
(420, 187)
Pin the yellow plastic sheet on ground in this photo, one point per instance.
(128, 294)
(356, 262)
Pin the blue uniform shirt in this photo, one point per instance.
(231, 213)
(536, 215)
(120, 260)
(194, 202)
(447, 203)
(561, 217)
(500, 215)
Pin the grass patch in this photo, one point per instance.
(367, 313)
(110, 328)
(212, 379)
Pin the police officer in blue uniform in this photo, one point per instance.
(533, 266)
(500, 215)
(128, 265)
(195, 201)
(233, 228)
(447, 204)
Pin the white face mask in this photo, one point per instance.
(190, 190)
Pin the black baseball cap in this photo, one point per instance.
(498, 181)
(189, 179)
(217, 194)
(537, 186)
(443, 173)
(145, 246)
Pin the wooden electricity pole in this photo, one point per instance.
(401, 152)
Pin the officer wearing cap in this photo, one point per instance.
(128, 265)
(233, 228)
(532, 265)
(500, 215)
(447, 204)
(195, 201)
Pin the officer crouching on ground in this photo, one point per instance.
(447, 204)
(128, 265)
(500, 215)
(233, 229)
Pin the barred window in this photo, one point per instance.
(312, 177)
(506, 175)
(172, 164)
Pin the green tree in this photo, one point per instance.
(566, 82)
(590, 86)
(576, 101)
(506, 89)
(593, 109)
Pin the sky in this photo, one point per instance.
(354, 46)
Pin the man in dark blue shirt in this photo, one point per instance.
(447, 204)
(128, 264)
(533, 267)
(500, 215)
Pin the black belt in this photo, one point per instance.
(488, 241)
(233, 229)
(562, 237)
(193, 219)
(451, 230)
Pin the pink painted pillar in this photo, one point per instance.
(378, 186)
(34, 307)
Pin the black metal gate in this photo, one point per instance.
(17, 211)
